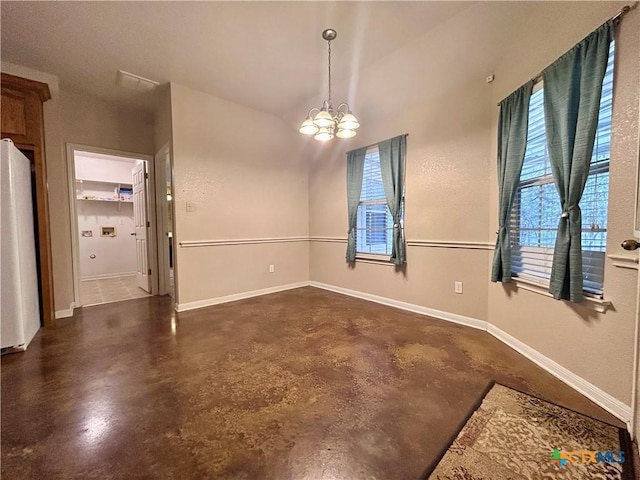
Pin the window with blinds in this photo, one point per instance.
(375, 224)
(537, 209)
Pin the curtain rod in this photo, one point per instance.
(376, 144)
(622, 11)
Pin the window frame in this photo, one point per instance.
(372, 257)
(535, 283)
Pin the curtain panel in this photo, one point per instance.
(355, 168)
(572, 90)
(512, 144)
(392, 154)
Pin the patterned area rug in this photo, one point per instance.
(514, 436)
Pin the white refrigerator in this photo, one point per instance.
(19, 307)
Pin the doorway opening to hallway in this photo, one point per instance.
(113, 218)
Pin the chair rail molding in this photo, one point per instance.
(240, 241)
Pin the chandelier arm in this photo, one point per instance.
(311, 111)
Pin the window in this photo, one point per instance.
(537, 209)
(374, 225)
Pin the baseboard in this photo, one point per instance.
(593, 393)
(237, 296)
(107, 275)
(65, 313)
(431, 312)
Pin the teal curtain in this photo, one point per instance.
(572, 89)
(392, 153)
(355, 168)
(512, 143)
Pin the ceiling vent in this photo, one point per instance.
(135, 82)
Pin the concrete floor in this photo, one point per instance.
(304, 384)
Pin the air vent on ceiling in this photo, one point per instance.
(135, 82)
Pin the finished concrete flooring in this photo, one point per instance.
(299, 385)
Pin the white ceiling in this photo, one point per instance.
(266, 55)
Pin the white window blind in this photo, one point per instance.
(375, 224)
(537, 209)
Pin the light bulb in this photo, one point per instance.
(348, 122)
(324, 134)
(345, 133)
(308, 127)
(323, 119)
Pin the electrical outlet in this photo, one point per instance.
(189, 206)
(457, 286)
(272, 268)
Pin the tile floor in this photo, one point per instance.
(106, 290)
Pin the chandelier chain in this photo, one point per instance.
(329, 42)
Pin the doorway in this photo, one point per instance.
(113, 214)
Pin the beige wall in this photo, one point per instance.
(162, 131)
(451, 188)
(242, 174)
(434, 90)
(84, 120)
(446, 200)
(81, 119)
(597, 347)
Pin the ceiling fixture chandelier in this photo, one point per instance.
(325, 124)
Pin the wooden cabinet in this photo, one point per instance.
(22, 121)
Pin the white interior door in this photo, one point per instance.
(141, 225)
(634, 244)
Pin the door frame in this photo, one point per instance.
(162, 210)
(71, 149)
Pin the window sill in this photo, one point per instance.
(597, 304)
(373, 259)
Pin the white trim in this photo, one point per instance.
(593, 393)
(383, 260)
(597, 304)
(410, 243)
(237, 296)
(152, 218)
(73, 218)
(65, 313)
(451, 244)
(420, 243)
(624, 261)
(328, 239)
(634, 372)
(431, 312)
(240, 241)
(107, 275)
(162, 216)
